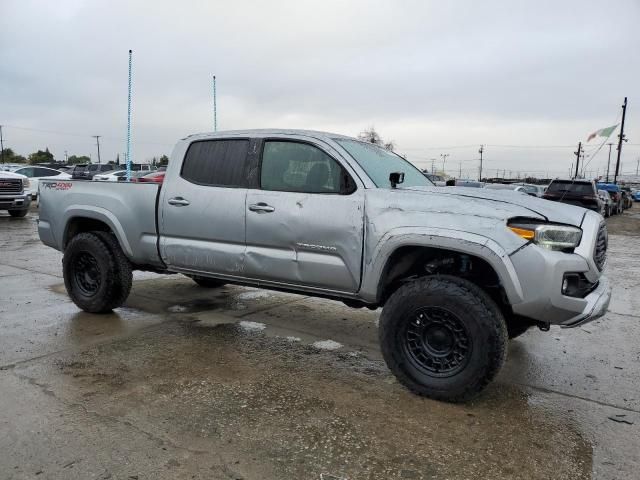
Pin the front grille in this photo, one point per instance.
(600, 252)
(10, 185)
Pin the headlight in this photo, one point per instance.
(25, 183)
(548, 235)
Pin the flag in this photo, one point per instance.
(603, 132)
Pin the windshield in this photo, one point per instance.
(573, 187)
(379, 163)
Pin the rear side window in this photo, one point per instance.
(216, 163)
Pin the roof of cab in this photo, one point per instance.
(269, 131)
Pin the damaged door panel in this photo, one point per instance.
(305, 224)
(203, 222)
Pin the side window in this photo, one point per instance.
(27, 171)
(45, 172)
(300, 167)
(216, 163)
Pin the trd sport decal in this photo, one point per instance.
(58, 185)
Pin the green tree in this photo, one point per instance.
(75, 159)
(164, 161)
(9, 156)
(41, 157)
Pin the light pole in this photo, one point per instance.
(609, 161)
(480, 152)
(444, 159)
(1, 145)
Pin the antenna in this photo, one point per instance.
(215, 107)
(129, 121)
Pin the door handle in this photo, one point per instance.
(178, 202)
(261, 207)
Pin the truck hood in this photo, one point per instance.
(11, 175)
(480, 202)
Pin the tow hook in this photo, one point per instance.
(544, 326)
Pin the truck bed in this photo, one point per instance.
(128, 209)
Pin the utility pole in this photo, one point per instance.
(433, 165)
(480, 152)
(637, 165)
(577, 154)
(460, 169)
(620, 139)
(444, 159)
(97, 137)
(66, 157)
(609, 161)
(1, 145)
(571, 169)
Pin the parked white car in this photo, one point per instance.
(114, 176)
(35, 173)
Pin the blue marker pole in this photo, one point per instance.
(215, 112)
(129, 124)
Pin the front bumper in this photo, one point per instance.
(597, 305)
(15, 201)
(541, 273)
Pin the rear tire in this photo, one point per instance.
(97, 275)
(18, 213)
(206, 282)
(443, 337)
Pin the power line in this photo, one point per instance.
(84, 135)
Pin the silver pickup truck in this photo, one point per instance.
(458, 271)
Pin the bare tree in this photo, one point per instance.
(371, 136)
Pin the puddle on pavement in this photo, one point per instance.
(301, 411)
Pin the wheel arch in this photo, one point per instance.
(94, 220)
(403, 253)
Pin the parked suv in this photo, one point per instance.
(627, 197)
(616, 196)
(14, 194)
(93, 169)
(77, 171)
(582, 193)
(606, 201)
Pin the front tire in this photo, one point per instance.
(97, 275)
(443, 337)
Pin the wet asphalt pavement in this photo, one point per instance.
(239, 383)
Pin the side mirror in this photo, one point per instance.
(396, 178)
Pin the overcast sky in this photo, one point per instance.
(435, 77)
